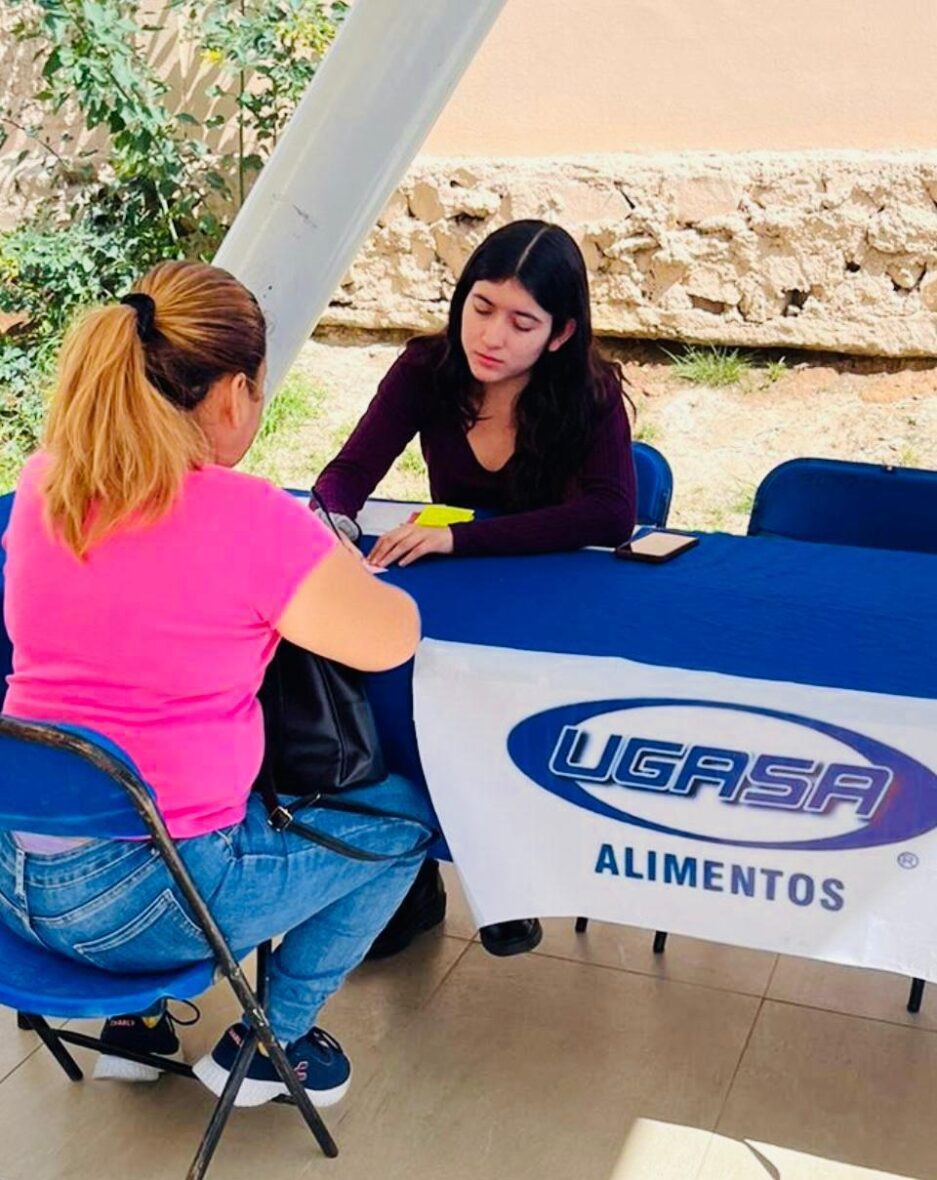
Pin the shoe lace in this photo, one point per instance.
(177, 1020)
(323, 1041)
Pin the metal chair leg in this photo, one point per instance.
(917, 994)
(660, 941)
(67, 1037)
(297, 1092)
(223, 1108)
(260, 987)
(54, 1045)
(581, 924)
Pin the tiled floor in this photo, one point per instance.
(591, 1059)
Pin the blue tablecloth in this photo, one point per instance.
(748, 606)
(760, 609)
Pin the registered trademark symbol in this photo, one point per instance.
(908, 860)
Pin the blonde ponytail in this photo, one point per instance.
(120, 433)
(118, 448)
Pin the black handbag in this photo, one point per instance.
(320, 739)
(320, 736)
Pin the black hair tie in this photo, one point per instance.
(145, 307)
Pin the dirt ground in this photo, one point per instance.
(720, 442)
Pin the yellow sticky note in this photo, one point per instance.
(438, 516)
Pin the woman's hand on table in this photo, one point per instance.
(353, 551)
(408, 543)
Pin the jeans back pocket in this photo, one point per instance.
(160, 937)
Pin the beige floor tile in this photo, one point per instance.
(381, 998)
(853, 991)
(834, 1088)
(540, 1067)
(55, 1130)
(459, 921)
(655, 1149)
(15, 1046)
(689, 960)
(730, 1159)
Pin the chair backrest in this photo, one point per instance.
(63, 781)
(843, 503)
(60, 781)
(655, 485)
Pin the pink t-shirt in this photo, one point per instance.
(159, 638)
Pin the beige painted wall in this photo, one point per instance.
(573, 76)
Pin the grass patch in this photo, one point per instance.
(412, 461)
(647, 432)
(274, 452)
(338, 435)
(908, 457)
(295, 403)
(744, 500)
(407, 479)
(713, 366)
(300, 436)
(775, 370)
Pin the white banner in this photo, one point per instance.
(772, 815)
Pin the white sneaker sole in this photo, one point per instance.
(119, 1069)
(255, 1093)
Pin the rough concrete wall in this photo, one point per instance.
(808, 250)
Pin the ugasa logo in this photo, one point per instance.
(825, 788)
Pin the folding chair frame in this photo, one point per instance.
(252, 1001)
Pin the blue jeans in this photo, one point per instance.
(113, 903)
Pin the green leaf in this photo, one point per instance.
(160, 187)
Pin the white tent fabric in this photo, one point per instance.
(349, 142)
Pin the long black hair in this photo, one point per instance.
(558, 409)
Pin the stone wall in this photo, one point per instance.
(800, 250)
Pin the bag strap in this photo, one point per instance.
(282, 819)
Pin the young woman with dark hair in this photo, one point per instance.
(517, 413)
(515, 409)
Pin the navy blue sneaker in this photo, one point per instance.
(317, 1059)
(157, 1038)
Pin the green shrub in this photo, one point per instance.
(157, 190)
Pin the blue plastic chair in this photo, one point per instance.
(842, 503)
(65, 782)
(838, 502)
(655, 485)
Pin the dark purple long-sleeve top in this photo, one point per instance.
(598, 507)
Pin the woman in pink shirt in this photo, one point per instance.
(147, 586)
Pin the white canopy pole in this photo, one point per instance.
(349, 142)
